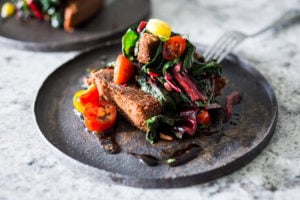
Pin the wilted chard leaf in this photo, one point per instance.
(128, 43)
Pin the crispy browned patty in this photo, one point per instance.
(133, 103)
(147, 44)
(79, 11)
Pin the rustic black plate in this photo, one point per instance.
(35, 35)
(245, 135)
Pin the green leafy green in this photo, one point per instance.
(154, 123)
(129, 42)
(169, 64)
(51, 7)
(189, 55)
(207, 68)
(158, 93)
(48, 4)
(185, 98)
(56, 20)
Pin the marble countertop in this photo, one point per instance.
(29, 169)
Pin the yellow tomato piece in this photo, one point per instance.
(76, 101)
(159, 28)
(7, 10)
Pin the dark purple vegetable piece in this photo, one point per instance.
(188, 85)
(190, 122)
(169, 80)
(233, 98)
(216, 112)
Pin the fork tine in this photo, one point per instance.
(210, 51)
(227, 50)
(223, 47)
(239, 37)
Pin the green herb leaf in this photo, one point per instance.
(152, 133)
(158, 93)
(56, 20)
(169, 64)
(129, 40)
(207, 68)
(47, 4)
(154, 123)
(189, 55)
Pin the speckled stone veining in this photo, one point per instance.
(30, 170)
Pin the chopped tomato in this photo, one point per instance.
(91, 95)
(141, 26)
(153, 74)
(174, 47)
(203, 117)
(124, 70)
(76, 101)
(35, 9)
(99, 117)
(82, 97)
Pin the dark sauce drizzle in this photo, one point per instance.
(184, 155)
(177, 158)
(108, 142)
(147, 159)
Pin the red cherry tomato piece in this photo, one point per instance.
(174, 47)
(99, 117)
(35, 10)
(141, 26)
(124, 70)
(203, 117)
(153, 74)
(91, 95)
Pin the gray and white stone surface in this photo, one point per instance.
(29, 170)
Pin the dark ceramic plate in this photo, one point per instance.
(113, 20)
(244, 136)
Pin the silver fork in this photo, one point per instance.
(229, 40)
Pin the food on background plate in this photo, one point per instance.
(61, 13)
(159, 83)
(8, 9)
(79, 11)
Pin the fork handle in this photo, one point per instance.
(286, 19)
